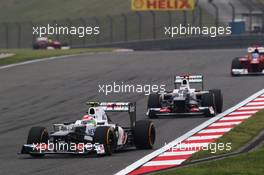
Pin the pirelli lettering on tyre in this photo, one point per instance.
(141, 5)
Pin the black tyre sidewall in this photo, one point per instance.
(102, 136)
(154, 101)
(144, 134)
(218, 99)
(207, 101)
(38, 135)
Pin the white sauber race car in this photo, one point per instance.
(184, 100)
(94, 133)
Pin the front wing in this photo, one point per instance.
(245, 72)
(38, 149)
(202, 111)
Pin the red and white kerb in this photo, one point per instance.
(174, 157)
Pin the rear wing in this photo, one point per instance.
(191, 78)
(129, 107)
(252, 49)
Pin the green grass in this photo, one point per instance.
(38, 10)
(17, 17)
(22, 55)
(245, 164)
(238, 136)
(248, 163)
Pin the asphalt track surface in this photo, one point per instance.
(54, 91)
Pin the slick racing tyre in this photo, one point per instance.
(235, 65)
(153, 102)
(218, 100)
(144, 134)
(105, 135)
(207, 101)
(38, 135)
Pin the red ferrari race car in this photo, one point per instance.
(47, 43)
(251, 64)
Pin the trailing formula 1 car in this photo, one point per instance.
(251, 64)
(94, 133)
(184, 100)
(50, 44)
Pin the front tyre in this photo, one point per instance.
(208, 100)
(218, 100)
(235, 65)
(38, 135)
(105, 135)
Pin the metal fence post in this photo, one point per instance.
(97, 25)
(139, 25)
(70, 24)
(18, 35)
(54, 22)
(169, 18)
(7, 35)
(125, 26)
(111, 28)
(184, 18)
(32, 38)
(154, 23)
(83, 25)
(233, 11)
(262, 21)
(200, 16)
(216, 13)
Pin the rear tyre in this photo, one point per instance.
(153, 102)
(218, 100)
(105, 135)
(35, 46)
(144, 134)
(207, 101)
(38, 135)
(235, 65)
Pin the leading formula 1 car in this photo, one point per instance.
(251, 64)
(184, 100)
(93, 133)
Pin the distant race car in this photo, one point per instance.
(46, 43)
(184, 100)
(94, 133)
(251, 64)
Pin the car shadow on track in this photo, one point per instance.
(70, 156)
(179, 117)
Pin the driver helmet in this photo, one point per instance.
(88, 119)
(255, 55)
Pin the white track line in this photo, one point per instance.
(244, 112)
(215, 130)
(252, 108)
(38, 60)
(256, 103)
(48, 59)
(258, 99)
(235, 118)
(164, 162)
(204, 137)
(225, 123)
(179, 153)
